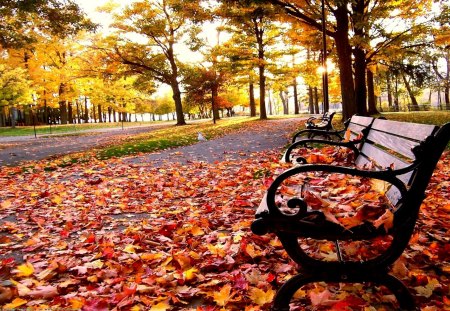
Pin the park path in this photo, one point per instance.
(271, 134)
(265, 135)
(14, 150)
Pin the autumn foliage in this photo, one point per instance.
(109, 234)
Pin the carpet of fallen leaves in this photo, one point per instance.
(106, 235)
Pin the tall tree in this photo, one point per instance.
(366, 20)
(14, 91)
(254, 26)
(21, 20)
(158, 28)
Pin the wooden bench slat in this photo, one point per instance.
(363, 121)
(400, 145)
(414, 131)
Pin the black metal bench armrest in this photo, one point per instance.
(348, 144)
(271, 208)
(339, 134)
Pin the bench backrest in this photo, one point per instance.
(356, 127)
(391, 144)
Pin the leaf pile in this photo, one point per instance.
(109, 235)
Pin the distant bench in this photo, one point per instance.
(322, 123)
(397, 155)
(353, 132)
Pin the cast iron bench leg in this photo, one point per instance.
(288, 289)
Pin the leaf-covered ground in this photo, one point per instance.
(105, 235)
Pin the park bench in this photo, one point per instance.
(399, 156)
(350, 137)
(323, 122)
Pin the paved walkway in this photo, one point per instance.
(14, 150)
(267, 135)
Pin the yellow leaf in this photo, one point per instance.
(261, 297)
(427, 291)
(162, 306)
(14, 304)
(57, 199)
(6, 204)
(96, 264)
(380, 186)
(190, 274)
(223, 296)
(129, 249)
(251, 251)
(25, 269)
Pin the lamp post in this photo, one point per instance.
(324, 61)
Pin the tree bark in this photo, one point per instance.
(414, 104)
(62, 103)
(316, 101)
(86, 110)
(215, 108)
(100, 116)
(360, 81)
(296, 103)
(261, 70)
(284, 99)
(310, 100)
(252, 100)
(372, 100)
(389, 89)
(344, 53)
(69, 112)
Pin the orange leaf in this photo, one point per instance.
(14, 304)
(223, 296)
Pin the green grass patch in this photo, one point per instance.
(68, 128)
(425, 117)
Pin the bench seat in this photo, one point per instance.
(398, 159)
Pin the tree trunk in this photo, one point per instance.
(447, 81)
(344, 53)
(69, 112)
(310, 100)
(178, 105)
(389, 89)
(360, 81)
(13, 117)
(414, 104)
(259, 31)
(285, 100)
(296, 104)
(100, 116)
(316, 101)
(262, 93)
(86, 110)
(62, 103)
(252, 100)
(360, 66)
(372, 100)
(269, 97)
(396, 94)
(2, 117)
(215, 108)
